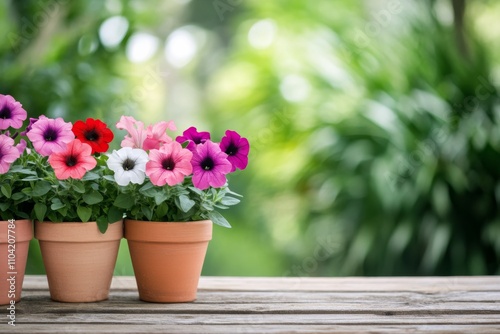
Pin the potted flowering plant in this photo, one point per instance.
(73, 206)
(16, 229)
(69, 184)
(172, 191)
(57, 178)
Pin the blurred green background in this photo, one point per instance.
(374, 125)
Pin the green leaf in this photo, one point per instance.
(196, 190)
(160, 197)
(92, 197)
(18, 196)
(84, 213)
(4, 206)
(161, 210)
(6, 190)
(109, 178)
(150, 192)
(114, 214)
(23, 215)
(30, 178)
(23, 171)
(218, 219)
(90, 176)
(233, 193)
(147, 212)
(41, 188)
(184, 203)
(124, 201)
(57, 204)
(102, 224)
(147, 186)
(63, 211)
(207, 206)
(229, 201)
(79, 187)
(40, 211)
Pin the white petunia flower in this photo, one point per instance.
(129, 165)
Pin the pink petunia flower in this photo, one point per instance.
(74, 161)
(50, 135)
(210, 166)
(169, 164)
(156, 135)
(30, 125)
(8, 153)
(193, 137)
(136, 132)
(237, 148)
(21, 146)
(12, 113)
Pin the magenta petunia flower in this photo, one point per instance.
(169, 164)
(193, 137)
(210, 166)
(12, 113)
(74, 161)
(50, 135)
(237, 148)
(8, 153)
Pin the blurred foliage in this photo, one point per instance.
(375, 125)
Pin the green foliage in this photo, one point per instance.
(382, 133)
(89, 199)
(178, 203)
(371, 129)
(15, 201)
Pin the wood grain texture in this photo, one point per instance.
(275, 305)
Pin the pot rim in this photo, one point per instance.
(23, 230)
(77, 232)
(171, 232)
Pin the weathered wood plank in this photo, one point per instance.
(272, 329)
(236, 319)
(417, 284)
(232, 297)
(33, 305)
(276, 305)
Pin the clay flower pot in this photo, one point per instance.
(167, 258)
(79, 260)
(13, 255)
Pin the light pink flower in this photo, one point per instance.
(169, 164)
(8, 153)
(156, 135)
(136, 132)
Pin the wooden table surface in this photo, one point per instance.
(275, 305)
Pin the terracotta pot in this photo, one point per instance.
(167, 258)
(13, 256)
(79, 259)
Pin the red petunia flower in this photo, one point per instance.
(95, 133)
